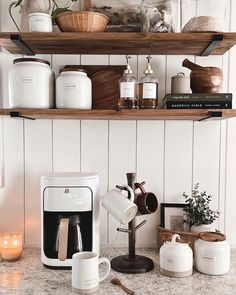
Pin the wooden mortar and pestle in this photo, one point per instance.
(204, 79)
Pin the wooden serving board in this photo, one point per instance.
(105, 84)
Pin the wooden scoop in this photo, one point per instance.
(116, 281)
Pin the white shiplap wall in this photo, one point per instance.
(169, 155)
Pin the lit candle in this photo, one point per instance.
(10, 245)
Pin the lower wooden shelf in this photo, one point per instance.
(156, 114)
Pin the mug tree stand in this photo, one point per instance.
(131, 263)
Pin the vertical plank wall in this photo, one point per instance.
(170, 156)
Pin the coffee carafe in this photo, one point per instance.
(70, 217)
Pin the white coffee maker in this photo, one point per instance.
(69, 217)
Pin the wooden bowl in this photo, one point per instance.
(206, 80)
(82, 21)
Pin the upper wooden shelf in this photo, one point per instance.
(118, 43)
(156, 114)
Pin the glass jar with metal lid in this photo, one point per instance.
(31, 84)
(73, 89)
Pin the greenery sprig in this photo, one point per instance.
(197, 210)
(56, 9)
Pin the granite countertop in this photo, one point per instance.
(28, 276)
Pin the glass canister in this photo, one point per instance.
(202, 15)
(73, 89)
(159, 16)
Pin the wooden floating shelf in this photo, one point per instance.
(157, 114)
(118, 43)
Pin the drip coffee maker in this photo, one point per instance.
(69, 216)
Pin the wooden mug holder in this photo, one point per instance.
(131, 263)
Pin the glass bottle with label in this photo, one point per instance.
(148, 88)
(128, 89)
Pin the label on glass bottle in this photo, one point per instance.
(127, 89)
(149, 90)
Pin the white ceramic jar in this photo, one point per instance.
(212, 254)
(180, 84)
(176, 259)
(31, 84)
(198, 228)
(40, 22)
(74, 90)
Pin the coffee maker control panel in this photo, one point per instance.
(67, 199)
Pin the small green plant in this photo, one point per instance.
(197, 210)
(56, 10)
(55, 7)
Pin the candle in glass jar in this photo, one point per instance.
(10, 246)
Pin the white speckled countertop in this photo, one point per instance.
(28, 276)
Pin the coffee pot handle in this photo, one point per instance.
(63, 239)
(10, 13)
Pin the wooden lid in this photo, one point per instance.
(72, 69)
(31, 60)
(212, 237)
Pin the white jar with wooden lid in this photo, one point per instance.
(73, 89)
(31, 84)
(212, 253)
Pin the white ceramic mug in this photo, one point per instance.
(40, 22)
(119, 206)
(85, 274)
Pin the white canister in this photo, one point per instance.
(212, 254)
(198, 228)
(40, 22)
(31, 84)
(180, 84)
(176, 259)
(74, 90)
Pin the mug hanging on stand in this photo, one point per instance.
(120, 206)
(146, 201)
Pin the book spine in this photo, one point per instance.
(199, 105)
(202, 96)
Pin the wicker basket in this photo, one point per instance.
(164, 235)
(82, 21)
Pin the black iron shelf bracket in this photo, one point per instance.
(18, 115)
(212, 115)
(212, 45)
(16, 39)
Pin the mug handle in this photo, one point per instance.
(107, 262)
(129, 189)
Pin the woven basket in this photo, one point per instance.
(82, 21)
(164, 235)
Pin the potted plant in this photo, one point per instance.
(56, 9)
(197, 212)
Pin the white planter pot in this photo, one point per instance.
(40, 22)
(202, 228)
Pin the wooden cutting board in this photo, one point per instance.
(105, 84)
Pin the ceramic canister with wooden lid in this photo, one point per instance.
(212, 253)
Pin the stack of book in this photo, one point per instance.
(197, 101)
